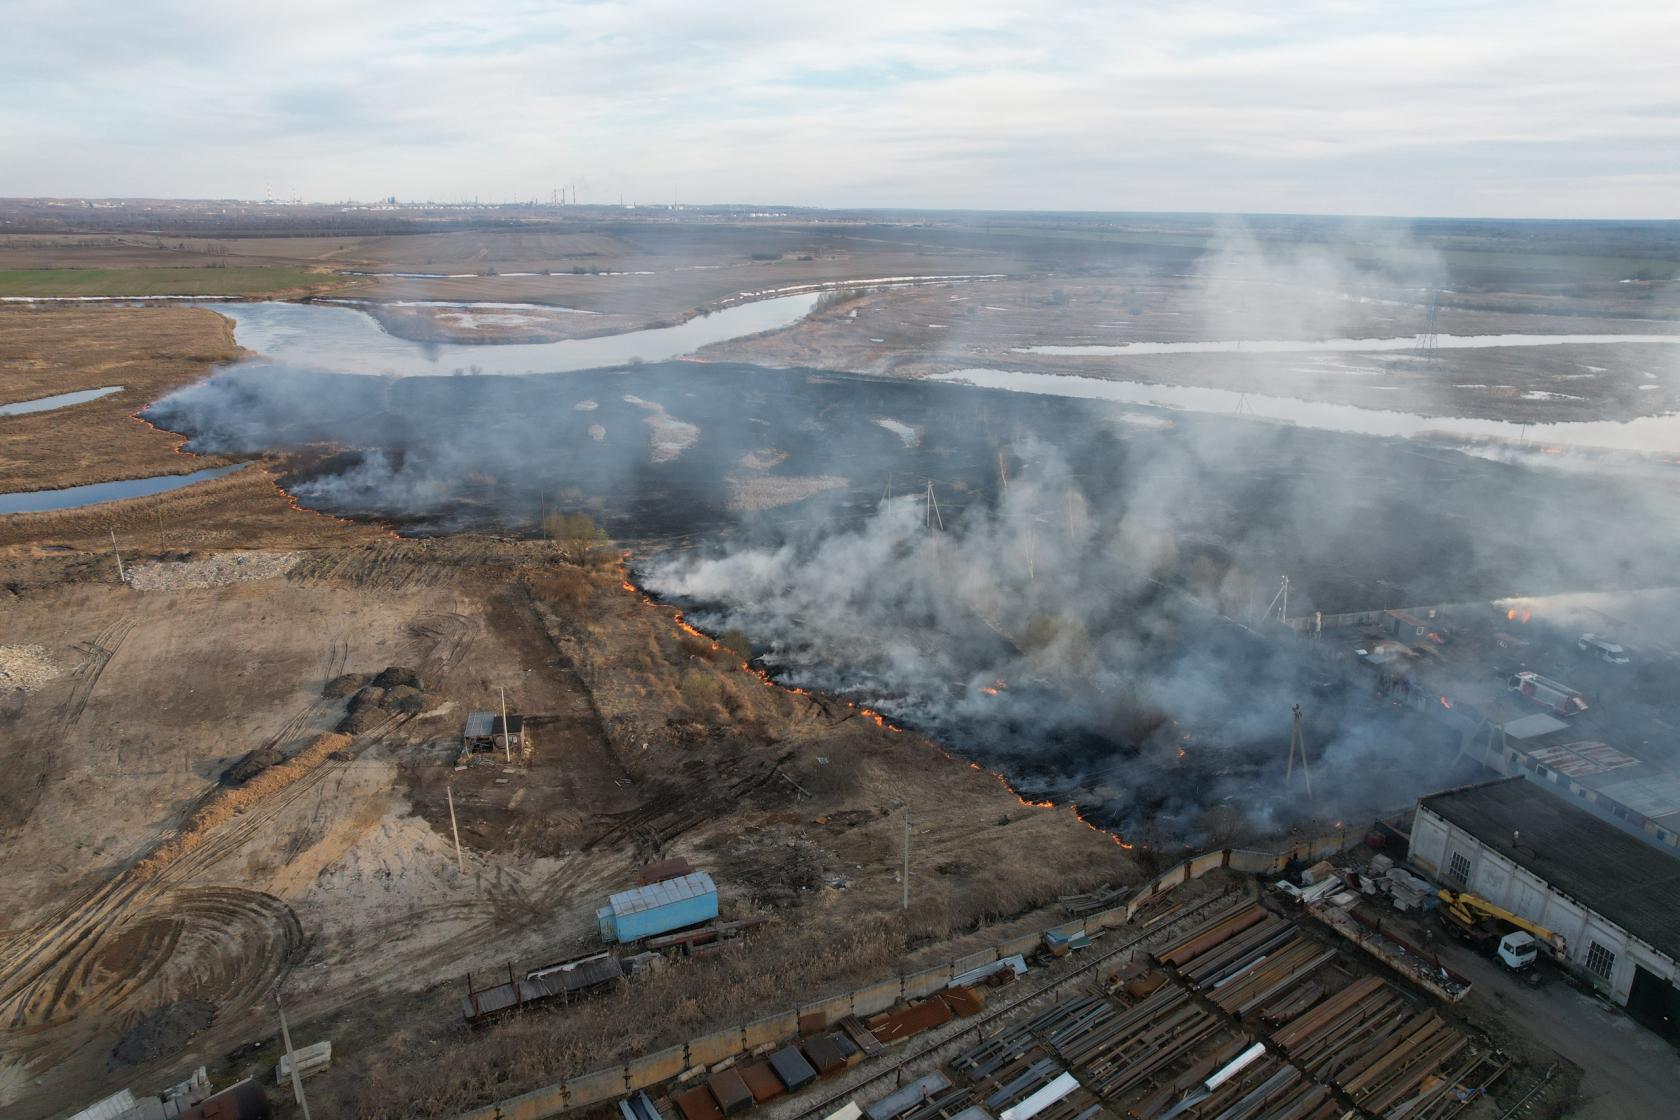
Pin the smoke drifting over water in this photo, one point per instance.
(1089, 607)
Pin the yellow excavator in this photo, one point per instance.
(1514, 940)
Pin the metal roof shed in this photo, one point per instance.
(659, 908)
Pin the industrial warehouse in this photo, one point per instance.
(1616, 900)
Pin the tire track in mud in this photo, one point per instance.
(452, 635)
(86, 675)
(49, 972)
(52, 970)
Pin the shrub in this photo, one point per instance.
(699, 691)
(575, 535)
(737, 643)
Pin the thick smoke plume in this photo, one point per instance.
(1082, 610)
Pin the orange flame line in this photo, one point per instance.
(881, 722)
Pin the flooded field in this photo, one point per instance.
(1651, 435)
(345, 340)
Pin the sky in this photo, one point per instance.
(1493, 108)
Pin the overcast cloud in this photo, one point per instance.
(1497, 108)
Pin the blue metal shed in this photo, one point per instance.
(659, 908)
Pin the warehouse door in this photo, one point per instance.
(1655, 1003)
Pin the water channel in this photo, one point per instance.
(62, 400)
(74, 497)
(1341, 345)
(345, 340)
(1650, 435)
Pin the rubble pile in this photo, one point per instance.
(25, 667)
(229, 567)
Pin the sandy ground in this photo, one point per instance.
(344, 886)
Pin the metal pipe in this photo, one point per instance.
(291, 1058)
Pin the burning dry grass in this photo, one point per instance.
(224, 803)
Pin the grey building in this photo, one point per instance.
(1615, 899)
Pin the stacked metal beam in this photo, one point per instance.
(1381, 1049)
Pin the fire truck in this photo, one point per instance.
(1560, 699)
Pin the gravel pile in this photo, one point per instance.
(230, 567)
(25, 667)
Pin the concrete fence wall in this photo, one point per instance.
(1313, 622)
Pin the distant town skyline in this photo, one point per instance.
(1494, 109)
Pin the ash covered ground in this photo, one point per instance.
(1068, 591)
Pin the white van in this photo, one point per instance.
(1602, 648)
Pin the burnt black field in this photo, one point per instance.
(1145, 543)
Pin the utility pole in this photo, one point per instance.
(121, 578)
(507, 742)
(906, 857)
(1297, 738)
(1281, 597)
(460, 864)
(291, 1057)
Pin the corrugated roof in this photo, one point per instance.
(1597, 864)
(655, 895)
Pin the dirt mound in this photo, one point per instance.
(250, 766)
(370, 697)
(363, 721)
(408, 701)
(162, 1033)
(397, 676)
(343, 685)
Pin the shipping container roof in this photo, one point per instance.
(655, 895)
(1592, 861)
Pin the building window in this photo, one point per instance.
(1600, 961)
(1459, 868)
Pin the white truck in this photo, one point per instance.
(1602, 648)
(1560, 699)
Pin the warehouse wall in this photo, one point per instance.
(1502, 882)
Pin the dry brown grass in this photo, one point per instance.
(224, 803)
(48, 349)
